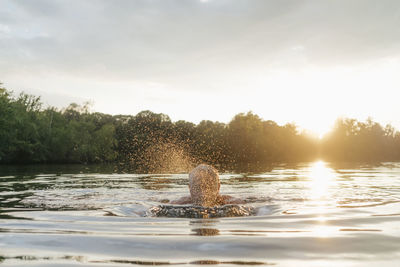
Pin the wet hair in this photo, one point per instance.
(204, 185)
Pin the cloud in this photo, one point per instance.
(237, 49)
(165, 40)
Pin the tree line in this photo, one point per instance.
(151, 142)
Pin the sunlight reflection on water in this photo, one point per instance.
(311, 214)
(321, 178)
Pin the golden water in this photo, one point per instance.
(312, 214)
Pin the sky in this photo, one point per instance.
(291, 61)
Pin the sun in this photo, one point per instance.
(316, 127)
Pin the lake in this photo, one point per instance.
(310, 214)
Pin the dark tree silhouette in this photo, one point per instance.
(151, 142)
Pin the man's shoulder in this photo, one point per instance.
(225, 199)
(182, 200)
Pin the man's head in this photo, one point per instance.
(204, 185)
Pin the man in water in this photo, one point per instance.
(204, 187)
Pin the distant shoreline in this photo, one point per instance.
(150, 141)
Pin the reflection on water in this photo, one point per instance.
(205, 231)
(321, 178)
(204, 227)
(312, 214)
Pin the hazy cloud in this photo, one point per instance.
(191, 45)
(164, 40)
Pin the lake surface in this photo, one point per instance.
(312, 214)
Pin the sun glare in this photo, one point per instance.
(323, 231)
(317, 128)
(321, 177)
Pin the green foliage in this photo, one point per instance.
(253, 140)
(351, 140)
(19, 131)
(151, 142)
(29, 133)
